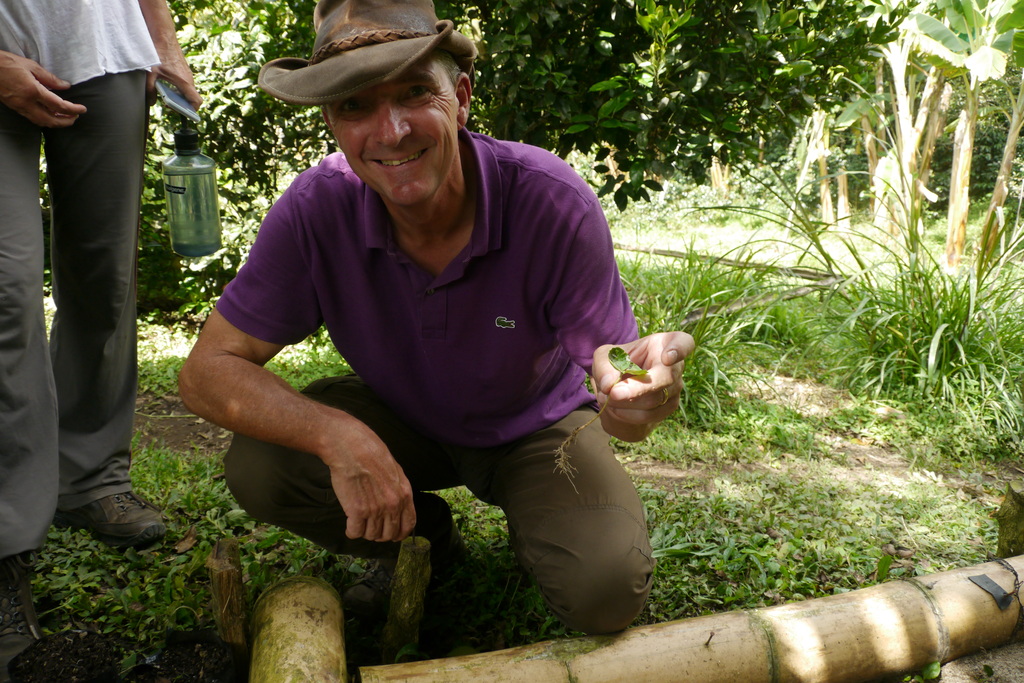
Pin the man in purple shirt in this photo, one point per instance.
(470, 284)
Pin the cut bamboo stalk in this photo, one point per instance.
(1010, 518)
(885, 630)
(408, 589)
(298, 634)
(229, 606)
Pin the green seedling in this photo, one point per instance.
(627, 368)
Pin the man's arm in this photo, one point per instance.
(27, 88)
(224, 381)
(173, 67)
(637, 405)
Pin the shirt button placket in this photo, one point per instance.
(435, 314)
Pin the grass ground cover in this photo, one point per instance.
(780, 480)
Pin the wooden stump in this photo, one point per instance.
(229, 606)
(407, 593)
(298, 634)
(1010, 517)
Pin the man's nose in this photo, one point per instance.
(391, 124)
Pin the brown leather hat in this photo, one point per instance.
(360, 43)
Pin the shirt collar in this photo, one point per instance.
(488, 226)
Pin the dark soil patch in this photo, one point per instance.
(187, 660)
(88, 657)
(68, 657)
(164, 421)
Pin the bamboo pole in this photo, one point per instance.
(408, 589)
(229, 610)
(298, 634)
(884, 630)
(1010, 518)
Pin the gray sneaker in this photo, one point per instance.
(120, 520)
(19, 626)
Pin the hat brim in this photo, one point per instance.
(297, 81)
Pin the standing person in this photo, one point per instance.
(471, 285)
(75, 77)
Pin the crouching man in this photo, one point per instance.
(471, 286)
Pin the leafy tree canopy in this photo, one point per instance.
(655, 86)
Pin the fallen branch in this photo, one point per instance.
(823, 280)
(797, 272)
(757, 300)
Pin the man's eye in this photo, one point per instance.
(418, 91)
(349, 108)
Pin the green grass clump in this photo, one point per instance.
(746, 539)
(907, 327)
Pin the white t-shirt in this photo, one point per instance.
(78, 39)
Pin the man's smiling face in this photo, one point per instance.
(401, 137)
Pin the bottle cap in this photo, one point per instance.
(186, 141)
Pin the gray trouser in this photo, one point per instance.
(587, 547)
(67, 407)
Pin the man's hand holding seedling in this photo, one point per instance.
(636, 404)
(637, 385)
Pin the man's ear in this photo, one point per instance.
(323, 113)
(464, 95)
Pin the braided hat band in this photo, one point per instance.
(363, 39)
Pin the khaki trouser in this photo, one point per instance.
(587, 547)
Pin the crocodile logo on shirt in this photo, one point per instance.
(502, 321)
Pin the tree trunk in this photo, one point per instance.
(808, 135)
(871, 151)
(874, 134)
(904, 150)
(914, 140)
(843, 200)
(991, 229)
(868, 634)
(298, 634)
(821, 145)
(960, 182)
(934, 124)
(719, 177)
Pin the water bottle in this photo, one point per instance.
(190, 184)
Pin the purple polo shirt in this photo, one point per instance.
(494, 348)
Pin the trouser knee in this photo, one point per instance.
(261, 479)
(293, 490)
(594, 568)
